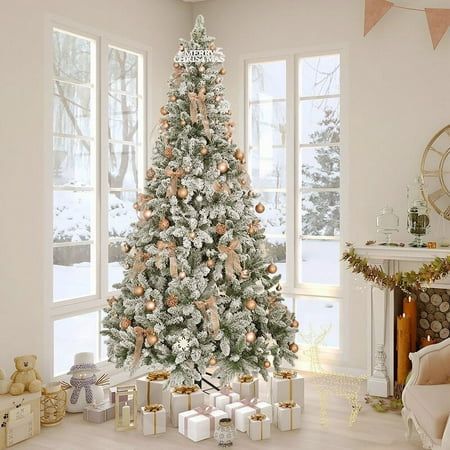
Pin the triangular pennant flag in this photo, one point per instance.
(438, 23)
(374, 11)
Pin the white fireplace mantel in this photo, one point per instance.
(382, 310)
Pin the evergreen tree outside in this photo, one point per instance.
(197, 291)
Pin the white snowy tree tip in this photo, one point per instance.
(199, 22)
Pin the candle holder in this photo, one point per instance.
(224, 433)
(418, 219)
(126, 408)
(53, 404)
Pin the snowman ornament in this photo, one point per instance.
(84, 388)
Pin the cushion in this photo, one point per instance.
(431, 407)
(434, 367)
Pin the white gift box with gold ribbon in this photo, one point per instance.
(287, 416)
(239, 412)
(153, 419)
(184, 398)
(153, 389)
(246, 386)
(224, 397)
(287, 386)
(258, 427)
(200, 423)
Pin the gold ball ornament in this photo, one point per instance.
(222, 71)
(203, 151)
(163, 111)
(218, 80)
(218, 98)
(168, 152)
(272, 268)
(165, 124)
(260, 208)
(267, 364)
(182, 275)
(182, 192)
(191, 235)
(250, 337)
(245, 274)
(251, 304)
(172, 301)
(239, 154)
(212, 361)
(293, 347)
(150, 305)
(163, 224)
(172, 98)
(125, 247)
(210, 263)
(150, 174)
(223, 167)
(147, 214)
(176, 65)
(152, 339)
(182, 122)
(221, 228)
(138, 291)
(201, 69)
(124, 323)
(295, 324)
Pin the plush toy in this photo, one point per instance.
(4, 383)
(26, 377)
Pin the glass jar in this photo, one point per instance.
(387, 223)
(418, 219)
(224, 433)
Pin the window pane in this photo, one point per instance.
(123, 118)
(71, 57)
(320, 167)
(268, 168)
(320, 75)
(320, 261)
(276, 253)
(115, 270)
(73, 335)
(274, 216)
(267, 80)
(268, 124)
(121, 213)
(123, 171)
(320, 213)
(318, 317)
(72, 272)
(123, 69)
(72, 216)
(319, 121)
(71, 162)
(72, 109)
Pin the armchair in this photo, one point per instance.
(426, 396)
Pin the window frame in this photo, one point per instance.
(56, 310)
(291, 287)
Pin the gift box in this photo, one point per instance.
(152, 389)
(184, 398)
(258, 427)
(239, 412)
(287, 386)
(153, 419)
(99, 413)
(200, 423)
(246, 386)
(18, 430)
(287, 416)
(223, 397)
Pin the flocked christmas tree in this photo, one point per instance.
(197, 290)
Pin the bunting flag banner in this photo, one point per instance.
(438, 23)
(374, 12)
(438, 18)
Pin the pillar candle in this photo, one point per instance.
(410, 309)
(126, 416)
(403, 347)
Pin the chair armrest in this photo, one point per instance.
(446, 436)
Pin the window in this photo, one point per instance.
(293, 141)
(98, 160)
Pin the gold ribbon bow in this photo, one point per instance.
(141, 334)
(290, 404)
(232, 263)
(221, 187)
(153, 408)
(209, 310)
(285, 374)
(170, 247)
(186, 389)
(173, 174)
(197, 105)
(246, 378)
(158, 375)
(258, 417)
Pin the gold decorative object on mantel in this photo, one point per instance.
(53, 404)
(126, 408)
(435, 169)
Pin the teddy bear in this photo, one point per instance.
(4, 383)
(26, 377)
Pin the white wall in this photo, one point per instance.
(398, 97)
(154, 23)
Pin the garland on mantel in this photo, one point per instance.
(407, 281)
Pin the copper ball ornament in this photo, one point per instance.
(272, 268)
(136, 205)
(168, 152)
(210, 263)
(182, 192)
(201, 69)
(251, 304)
(218, 98)
(250, 337)
(293, 347)
(172, 98)
(124, 323)
(260, 208)
(125, 247)
(295, 324)
(182, 122)
(266, 364)
(163, 224)
(138, 291)
(182, 275)
(222, 71)
(163, 111)
(221, 228)
(147, 214)
(223, 167)
(212, 361)
(203, 151)
(150, 174)
(239, 154)
(165, 124)
(152, 339)
(150, 305)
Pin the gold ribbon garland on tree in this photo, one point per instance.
(170, 247)
(232, 263)
(209, 310)
(197, 105)
(407, 281)
(173, 174)
(141, 335)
